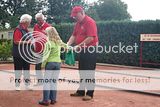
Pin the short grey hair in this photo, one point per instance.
(39, 15)
(25, 18)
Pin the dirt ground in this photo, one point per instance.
(109, 98)
(101, 99)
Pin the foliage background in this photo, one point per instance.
(128, 33)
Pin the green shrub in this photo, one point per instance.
(128, 33)
(5, 50)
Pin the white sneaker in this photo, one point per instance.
(18, 88)
(29, 88)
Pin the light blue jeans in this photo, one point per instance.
(51, 74)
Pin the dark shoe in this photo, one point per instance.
(76, 95)
(45, 103)
(87, 98)
(53, 102)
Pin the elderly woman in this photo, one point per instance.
(20, 64)
(40, 27)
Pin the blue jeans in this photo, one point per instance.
(50, 87)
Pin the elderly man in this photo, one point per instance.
(84, 36)
(40, 26)
(19, 61)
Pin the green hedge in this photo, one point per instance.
(128, 33)
(110, 34)
(5, 49)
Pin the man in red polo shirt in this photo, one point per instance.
(84, 36)
(40, 26)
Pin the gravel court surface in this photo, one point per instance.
(108, 98)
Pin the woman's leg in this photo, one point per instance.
(18, 70)
(55, 75)
(46, 84)
(50, 76)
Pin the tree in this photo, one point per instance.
(3, 14)
(59, 10)
(41, 5)
(13, 6)
(91, 11)
(3, 17)
(12, 10)
(112, 10)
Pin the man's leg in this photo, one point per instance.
(89, 65)
(81, 90)
(90, 84)
(39, 74)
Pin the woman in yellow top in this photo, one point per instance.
(52, 66)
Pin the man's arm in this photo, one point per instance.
(86, 41)
(71, 40)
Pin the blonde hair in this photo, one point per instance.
(53, 35)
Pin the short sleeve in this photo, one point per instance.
(17, 35)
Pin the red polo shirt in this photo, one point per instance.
(39, 44)
(87, 27)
